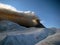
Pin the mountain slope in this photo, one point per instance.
(13, 34)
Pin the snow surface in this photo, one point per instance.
(14, 34)
(51, 40)
(13, 9)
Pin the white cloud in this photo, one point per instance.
(9, 7)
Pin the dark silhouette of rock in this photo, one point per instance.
(26, 20)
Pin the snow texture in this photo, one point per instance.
(51, 40)
(14, 34)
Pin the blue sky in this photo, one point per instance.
(47, 10)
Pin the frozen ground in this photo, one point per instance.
(13, 34)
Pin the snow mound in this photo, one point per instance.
(51, 40)
(6, 25)
(14, 34)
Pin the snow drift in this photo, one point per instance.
(51, 40)
(14, 34)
